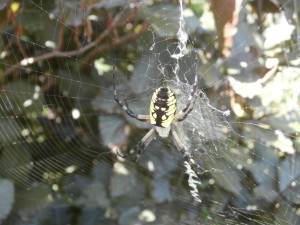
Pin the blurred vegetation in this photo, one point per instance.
(60, 126)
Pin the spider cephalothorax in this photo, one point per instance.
(162, 116)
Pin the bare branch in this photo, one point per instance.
(118, 21)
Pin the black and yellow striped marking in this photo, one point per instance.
(162, 107)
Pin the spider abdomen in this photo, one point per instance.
(162, 107)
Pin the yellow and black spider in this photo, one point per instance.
(162, 116)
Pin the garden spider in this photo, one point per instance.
(162, 115)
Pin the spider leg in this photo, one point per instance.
(184, 153)
(125, 107)
(135, 153)
(190, 103)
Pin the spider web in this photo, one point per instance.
(60, 127)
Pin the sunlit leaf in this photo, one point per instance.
(15, 6)
(271, 138)
(287, 122)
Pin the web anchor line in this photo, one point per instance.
(224, 113)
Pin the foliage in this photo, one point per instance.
(60, 168)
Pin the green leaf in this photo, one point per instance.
(162, 160)
(7, 194)
(34, 23)
(297, 143)
(77, 85)
(104, 101)
(264, 171)
(130, 216)
(15, 163)
(3, 4)
(111, 3)
(287, 122)
(254, 130)
(32, 19)
(112, 129)
(162, 190)
(68, 11)
(10, 131)
(122, 181)
(94, 196)
(265, 175)
(20, 96)
(281, 27)
(226, 176)
(142, 79)
(237, 156)
(165, 21)
(289, 178)
(286, 214)
(290, 9)
(32, 199)
(277, 95)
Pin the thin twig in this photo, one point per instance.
(117, 22)
(61, 33)
(124, 39)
